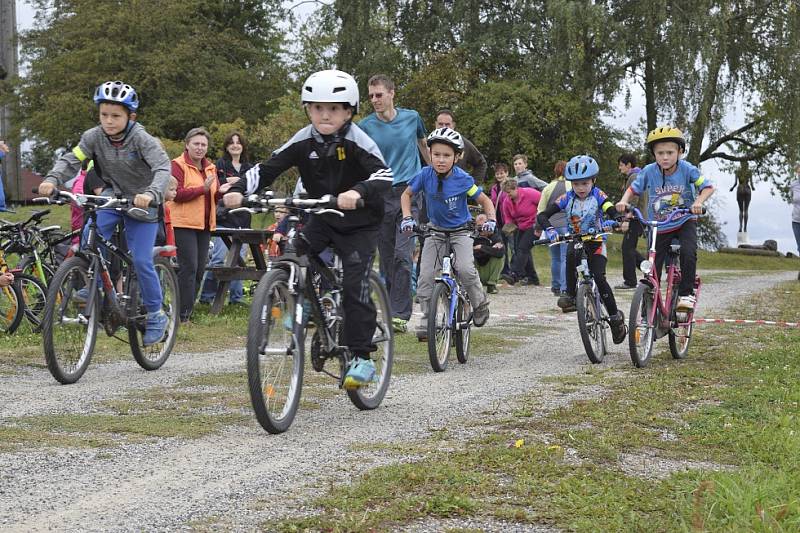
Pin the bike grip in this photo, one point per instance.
(542, 241)
(333, 203)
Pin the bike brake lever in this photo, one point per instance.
(323, 211)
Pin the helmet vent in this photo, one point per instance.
(339, 89)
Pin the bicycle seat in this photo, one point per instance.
(675, 246)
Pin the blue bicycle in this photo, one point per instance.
(449, 310)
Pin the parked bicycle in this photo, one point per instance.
(26, 297)
(593, 319)
(83, 295)
(653, 316)
(449, 310)
(299, 294)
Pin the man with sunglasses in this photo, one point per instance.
(400, 135)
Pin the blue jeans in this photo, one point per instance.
(558, 263)
(141, 237)
(217, 258)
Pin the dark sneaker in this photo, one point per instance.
(509, 278)
(618, 329)
(624, 287)
(154, 328)
(362, 372)
(567, 303)
(529, 281)
(481, 314)
(491, 289)
(556, 291)
(421, 331)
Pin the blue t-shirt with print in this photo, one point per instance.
(667, 192)
(397, 140)
(584, 215)
(447, 208)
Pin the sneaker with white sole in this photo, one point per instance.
(686, 303)
(361, 373)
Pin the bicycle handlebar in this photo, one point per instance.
(675, 213)
(318, 206)
(92, 201)
(574, 237)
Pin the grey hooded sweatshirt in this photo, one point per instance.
(136, 164)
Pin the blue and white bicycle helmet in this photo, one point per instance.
(581, 167)
(117, 92)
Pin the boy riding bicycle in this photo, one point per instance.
(584, 206)
(138, 168)
(447, 188)
(671, 182)
(334, 156)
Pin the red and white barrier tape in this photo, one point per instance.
(571, 318)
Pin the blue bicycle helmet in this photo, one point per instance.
(117, 92)
(581, 167)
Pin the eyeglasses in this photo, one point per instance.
(375, 95)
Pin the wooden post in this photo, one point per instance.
(9, 69)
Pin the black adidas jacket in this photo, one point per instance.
(347, 160)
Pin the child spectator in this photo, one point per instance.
(488, 250)
(525, 177)
(447, 188)
(497, 195)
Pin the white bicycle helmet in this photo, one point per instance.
(447, 136)
(330, 86)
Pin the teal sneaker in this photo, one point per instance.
(362, 372)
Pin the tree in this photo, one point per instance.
(193, 62)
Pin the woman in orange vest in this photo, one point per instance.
(193, 214)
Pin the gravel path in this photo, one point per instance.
(243, 476)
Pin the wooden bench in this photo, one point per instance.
(234, 268)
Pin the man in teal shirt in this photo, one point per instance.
(400, 135)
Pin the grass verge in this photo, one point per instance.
(711, 443)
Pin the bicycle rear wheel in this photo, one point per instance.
(274, 353)
(590, 323)
(463, 311)
(34, 296)
(370, 396)
(641, 333)
(68, 334)
(12, 308)
(154, 356)
(680, 331)
(28, 266)
(440, 335)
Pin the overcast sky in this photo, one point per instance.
(770, 216)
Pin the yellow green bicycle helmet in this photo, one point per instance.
(666, 133)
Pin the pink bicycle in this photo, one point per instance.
(652, 316)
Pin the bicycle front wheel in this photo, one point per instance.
(274, 353)
(370, 396)
(590, 323)
(463, 312)
(34, 296)
(69, 329)
(440, 335)
(12, 308)
(641, 331)
(155, 355)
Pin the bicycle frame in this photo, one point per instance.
(446, 276)
(661, 313)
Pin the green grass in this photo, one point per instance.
(578, 468)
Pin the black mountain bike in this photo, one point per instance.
(301, 296)
(82, 296)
